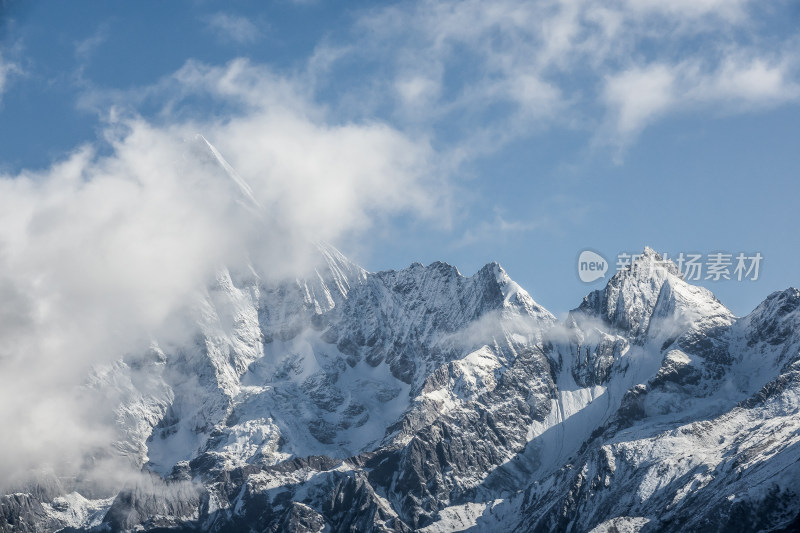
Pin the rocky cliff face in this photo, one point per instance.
(424, 400)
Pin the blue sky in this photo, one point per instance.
(468, 132)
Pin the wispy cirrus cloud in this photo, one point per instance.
(503, 69)
(7, 70)
(500, 227)
(86, 47)
(233, 28)
(640, 95)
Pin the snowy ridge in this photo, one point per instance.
(244, 187)
(422, 399)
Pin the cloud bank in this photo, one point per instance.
(99, 251)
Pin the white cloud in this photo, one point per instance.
(511, 67)
(689, 9)
(417, 90)
(7, 68)
(233, 28)
(98, 253)
(499, 227)
(535, 96)
(748, 81)
(322, 177)
(86, 47)
(640, 95)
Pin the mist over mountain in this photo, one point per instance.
(264, 266)
(323, 397)
(421, 399)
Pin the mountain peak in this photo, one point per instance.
(630, 297)
(514, 296)
(648, 263)
(776, 318)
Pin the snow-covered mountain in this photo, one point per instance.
(424, 400)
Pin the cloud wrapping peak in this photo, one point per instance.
(102, 251)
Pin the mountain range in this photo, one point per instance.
(425, 400)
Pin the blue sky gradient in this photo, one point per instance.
(537, 129)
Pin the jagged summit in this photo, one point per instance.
(775, 320)
(649, 286)
(779, 302)
(491, 278)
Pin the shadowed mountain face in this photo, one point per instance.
(420, 399)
